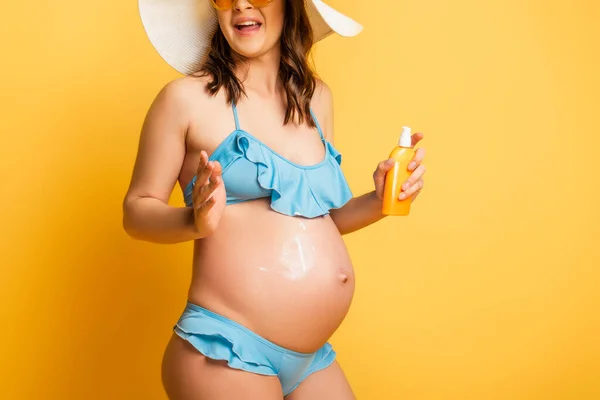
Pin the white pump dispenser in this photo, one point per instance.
(405, 138)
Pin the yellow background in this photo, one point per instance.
(489, 290)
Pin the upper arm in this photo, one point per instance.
(323, 108)
(161, 147)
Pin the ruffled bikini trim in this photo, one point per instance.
(213, 342)
(295, 189)
(285, 190)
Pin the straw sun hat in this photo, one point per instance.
(181, 30)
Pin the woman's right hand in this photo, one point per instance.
(208, 196)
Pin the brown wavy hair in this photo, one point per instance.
(295, 72)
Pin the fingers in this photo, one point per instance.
(416, 138)
(205, 207)
(379, 175)
(417, 159)
(214, 181)
(208, 180)
(413, 184)
(414, 177)
(204, 192)
(205, 199)
(204, 170)
(414, 190)
(217, 170)
(417, 193)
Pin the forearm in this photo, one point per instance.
(358, 213)
(149, 219)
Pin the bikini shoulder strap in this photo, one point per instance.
(235, 116)
(314, 117)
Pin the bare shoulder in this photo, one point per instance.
(186, 106)
(322, 98)
(183, 94)
(322, 105)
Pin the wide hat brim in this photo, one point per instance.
(181, 30)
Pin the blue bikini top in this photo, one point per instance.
(251, 170)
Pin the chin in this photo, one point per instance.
(249, 50)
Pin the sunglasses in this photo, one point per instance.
(227, 4)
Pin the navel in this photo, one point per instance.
(344, 276)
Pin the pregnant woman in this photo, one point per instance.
(248, 134)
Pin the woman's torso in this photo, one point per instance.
(289, 279)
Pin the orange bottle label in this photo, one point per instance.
(394, 180)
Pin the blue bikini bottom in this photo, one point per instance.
(220, 338)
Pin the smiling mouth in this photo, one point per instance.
(248, 26)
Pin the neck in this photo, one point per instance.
(260, 75)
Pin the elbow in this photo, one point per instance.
(129, 228)
(128, 220)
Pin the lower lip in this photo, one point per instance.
(248, 31)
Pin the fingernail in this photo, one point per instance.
(411, 166)
(390, 161)
(402, 196)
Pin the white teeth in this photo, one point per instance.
(248, 23)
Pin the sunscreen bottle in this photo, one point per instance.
(395, 177)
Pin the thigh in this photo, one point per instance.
(188, 375)
(327, 384)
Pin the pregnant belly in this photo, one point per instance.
(288, 279)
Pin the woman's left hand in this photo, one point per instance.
(414, 184)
